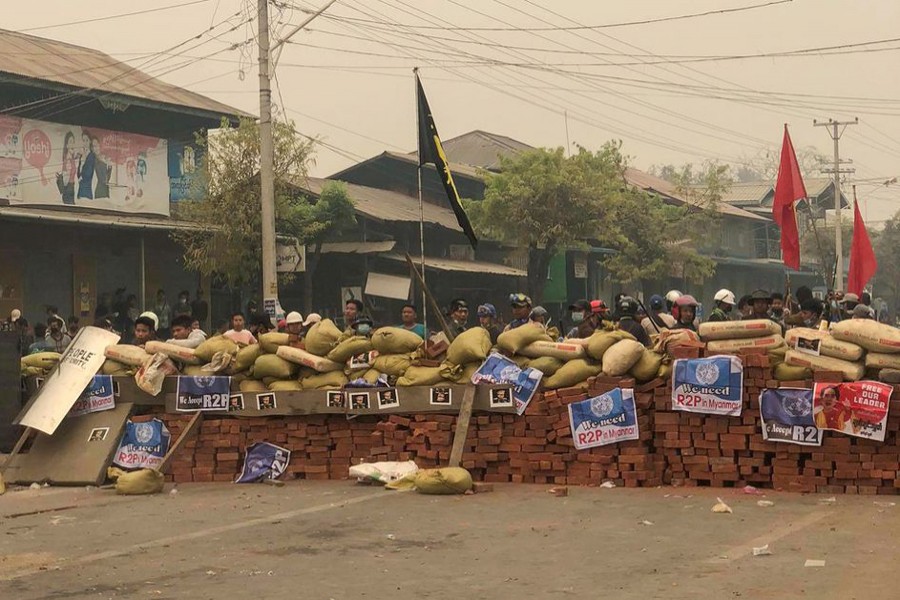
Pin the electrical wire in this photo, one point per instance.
(118, 16)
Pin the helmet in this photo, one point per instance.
(487, 310)
(723, 295)
(152, 316)
(598, 307)
(627, 307)
(519, 299)
(293, 317)
(656, 302)
(537, 312)
(760, 295)
(580, 305)
(363, 320)
(673, 295)
(312, 319)
(686, 300)
(850, 298)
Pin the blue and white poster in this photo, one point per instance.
(264, 461)
(97, 396)
(712, 386)
(604, 419)
(497, 369)
(184, 165)
(143, 446)
(202, 392)
(787, 416)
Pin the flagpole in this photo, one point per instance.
(421, 202)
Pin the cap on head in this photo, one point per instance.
(293, 317)
(760, 295)
(850, 298)
(312, 319)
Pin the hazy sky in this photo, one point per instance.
(351, 72)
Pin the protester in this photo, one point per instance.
(40, 343)
(184, 335)
(293, 323)
(409, 316)
(847, 304)
(541, 318)
(104, 306)
(260, 325)
(237, 333)
(744, 308)
(656, 320)
(521, 308)
(199, 307)
(183, 306)
(311, 319)
(583, 321)
(352, 309)
(487, 319)
(671, 297)
(72, 326)
(9, 324)
(53, 313)
(724, 300)
(810, 312)
(759, 302)
(626, 311)
(685, 312)
(861, 311)
(163, 313)
(56, 338)
(363, 325)
(104, 323)
(777, 311)
(144, 330)
(459, 315)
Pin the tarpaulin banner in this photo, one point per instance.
(202, 392)
(604, 419)
(143, 446)
(184, 167)
(264, 461)
(787, 416)
(498, 369)
(713, 386)
(68, 165)
(858, 408)
(98, 396)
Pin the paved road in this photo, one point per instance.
(339, 540)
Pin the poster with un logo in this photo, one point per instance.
(787, 416)
(202, 393)
(604, 419)
(712, 386)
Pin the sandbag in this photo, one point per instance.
(776, 355)
(880, 360)
(142, 481)
(647, 366)
(561, 350)
(394, 365)
(307, 359)
(352, 346)
(515, 339)
(272, 340)
(521, 361)
(217, 343)
(572, 373)
(114, 367)
(175, 352)
(322, 381)
(670, 339)
(32, 371)
(546, 364)
(734, 330)
(151, 375)
(448, 480)
(126, 354)
(851, 371)
(472, 345)
(889, 376)
(829, 346)
(395, 340)
(665, 371)
(871, 335)
(372, 376)
(621, 356)
(246, 356)
(786, 372)
(270, 365)
(285, 386)
(420, 376)
(321, 337)
(41, 360)
(736, 345)
(601, 341)
(252, 385)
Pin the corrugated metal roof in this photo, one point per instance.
(482, 149)
(96, 219)
(358, 247)
(463, 266)
(27, 56)
(385, 205)
(752, 193)
(651, 183)
(455, 167)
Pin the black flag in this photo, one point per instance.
(432, 151)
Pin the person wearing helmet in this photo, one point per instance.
(724, 305)
(487, 319)
(363, 325)
(760, 301)
(656, 319)
(293, 323)
(671, 297)
(626, 311)
(685, 312)
(521, 309)
(458, 311)
(583, 323)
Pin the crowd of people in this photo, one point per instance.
(181, 324)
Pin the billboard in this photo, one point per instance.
(55, 165)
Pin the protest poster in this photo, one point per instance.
(202, 392)
(497, 369)
(143, 446)
(604, 419)
(787, 416)
(264, 461)
(97, 396)
(858, 408)
(712, 386)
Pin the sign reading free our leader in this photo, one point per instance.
(713, 386)
(202, 393)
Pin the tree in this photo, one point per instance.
(887, 252)
(818, 242)
(764, 165)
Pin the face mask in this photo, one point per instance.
(577, 317)
(363, 329)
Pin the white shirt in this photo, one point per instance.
(240, 337)
(194, 339)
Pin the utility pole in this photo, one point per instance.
(836, 130)
(266, 166)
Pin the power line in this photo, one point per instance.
(118, 16)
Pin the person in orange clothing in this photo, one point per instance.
(833, 415)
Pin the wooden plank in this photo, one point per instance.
(462, 426)
(192, 427)
(21, 442)
(434, 305)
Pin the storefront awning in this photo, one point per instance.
(358, 247)
(92, 219)
(462, 266)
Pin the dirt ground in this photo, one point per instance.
(337, 540)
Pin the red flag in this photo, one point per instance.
(788, 189)
(862, 258)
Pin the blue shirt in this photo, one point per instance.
(417, 329)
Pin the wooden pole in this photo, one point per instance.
(434, 305)
(189, 431)
(462, 426)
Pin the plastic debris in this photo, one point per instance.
(765, 503)
(831, 500)
(814, 563)
(885, 504)
(391, 536)
(608, 485)
(721, 507)
(645, 522)
(762, 551)
(751, 490)
(34, 486)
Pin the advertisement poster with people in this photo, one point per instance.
(787, 416)
(50, 164)
(604, 419)
(857, 408)
(712, 386)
